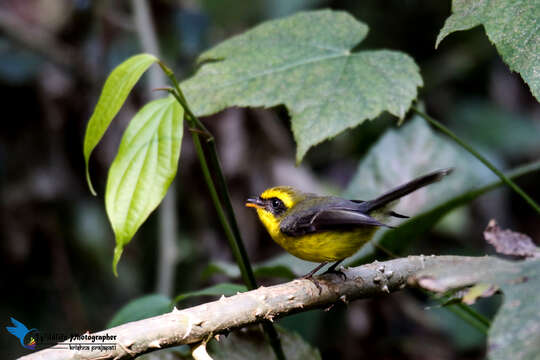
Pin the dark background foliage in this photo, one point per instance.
(56, 246)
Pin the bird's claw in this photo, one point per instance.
(340, 273)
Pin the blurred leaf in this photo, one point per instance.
(190, 25)
(283, 266)
(280, 8)
(231, 13)
(173, 353)
(383, 167)
(226, 289)
(141, 308)
(113, 95)
(250, 343)
(306, 61)
(494, 128)
(456, 223)
(465, 337)
(307, 324)
(221, 267)
(143, 169)
(514, 331)
(514, 28)
(17, 65)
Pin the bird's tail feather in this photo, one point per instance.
(405, 189)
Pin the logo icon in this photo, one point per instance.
(25, 336)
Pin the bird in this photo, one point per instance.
(20, 331)
(325, 229)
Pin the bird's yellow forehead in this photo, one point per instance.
(287, 194)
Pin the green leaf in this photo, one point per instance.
(141, 308)
(516, 323)
(463, 334)
(488, 126)
(514, 331)
(514, 28)
(250, 343)
(226, 289)
(308, 63)
(491, 127)
(113, 95)
(143, 169)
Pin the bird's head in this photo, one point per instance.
(273, 204)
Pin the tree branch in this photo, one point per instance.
(201, 322)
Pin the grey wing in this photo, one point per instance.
(327, 219)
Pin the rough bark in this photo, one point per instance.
(198, 323)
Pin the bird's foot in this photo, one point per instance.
(332, 270)
(338, 272)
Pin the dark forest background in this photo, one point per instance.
(57, 245)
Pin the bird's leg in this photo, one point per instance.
(310, 274)
(332, 270)
(332, 267)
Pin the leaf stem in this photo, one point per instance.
(233, 235)
(470, 316)
(474, 314)
(247, 276)
(226, 216)
(482, 159)
(235, 242)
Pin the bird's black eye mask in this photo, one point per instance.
(274, 205)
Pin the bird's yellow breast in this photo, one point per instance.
(317, 247)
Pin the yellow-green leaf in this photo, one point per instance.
(143, 169)
(113, 95)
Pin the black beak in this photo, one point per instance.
(255, 202)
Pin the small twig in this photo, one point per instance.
(167, 89)
(201, 132)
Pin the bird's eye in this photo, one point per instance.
(277, 206)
